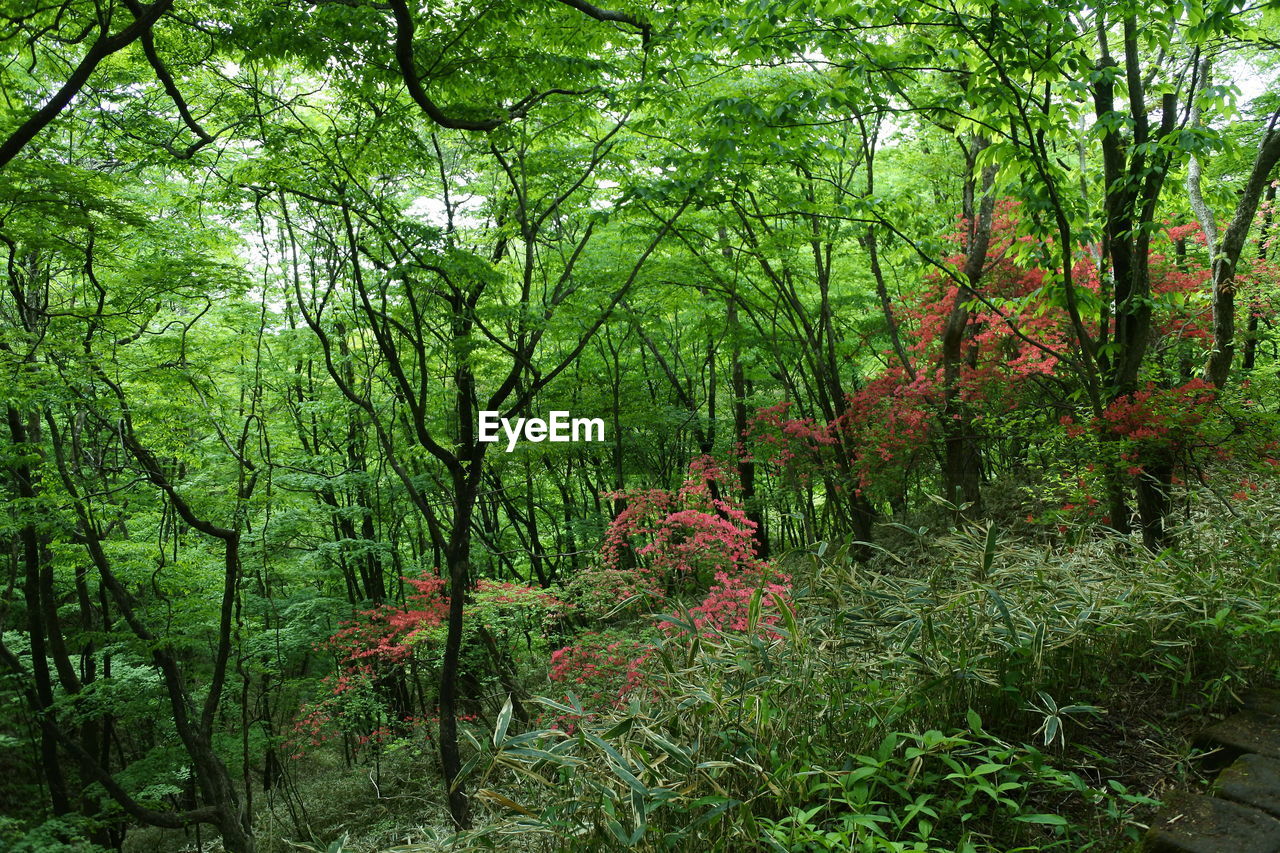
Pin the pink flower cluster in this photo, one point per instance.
(728, 603)
(683, 537)
(605, 662)
(704, 543)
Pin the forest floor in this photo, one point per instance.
(1146, 677)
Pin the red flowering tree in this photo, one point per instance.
(1015, 334)
(1011, 330)
(384, 636)
(1012, 325)
(1164, 420)
(368, 696)
(890, 419)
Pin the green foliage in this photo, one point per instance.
(56, 835)
(821, 739)
(262, 264)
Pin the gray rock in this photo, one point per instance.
(1194, 823)
(1263, 700)
(1246, 732)
(1253, 780)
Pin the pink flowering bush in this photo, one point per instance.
(679, 541)
(513, 614)
(694, 541)
(599, 593)
(728, 603)
(601, 665)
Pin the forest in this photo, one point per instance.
(916, 365)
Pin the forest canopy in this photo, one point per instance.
(926, 363)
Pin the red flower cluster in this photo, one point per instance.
(1161, 417)
(682, 538)
(662, 540)
(372, 644)
(871, 444)
(608, 663)
(385, 634)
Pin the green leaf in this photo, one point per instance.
(1043, 819)
(504, 720)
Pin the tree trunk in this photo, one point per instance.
(961, 468)
(1251, 337)
(459, 564)
(1153, 499)
(1218, 366)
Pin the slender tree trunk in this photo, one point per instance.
(1153, 486)
(738, 386)
(961, 469)
(1249, 358)
(1224, 264)
(458, 560)
(26, 481)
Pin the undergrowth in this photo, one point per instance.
(941, 704)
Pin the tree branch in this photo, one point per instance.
(103, 46)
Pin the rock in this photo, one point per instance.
(1264, 700)
(1194, 823)
(1246, 732)
(1253, 780)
